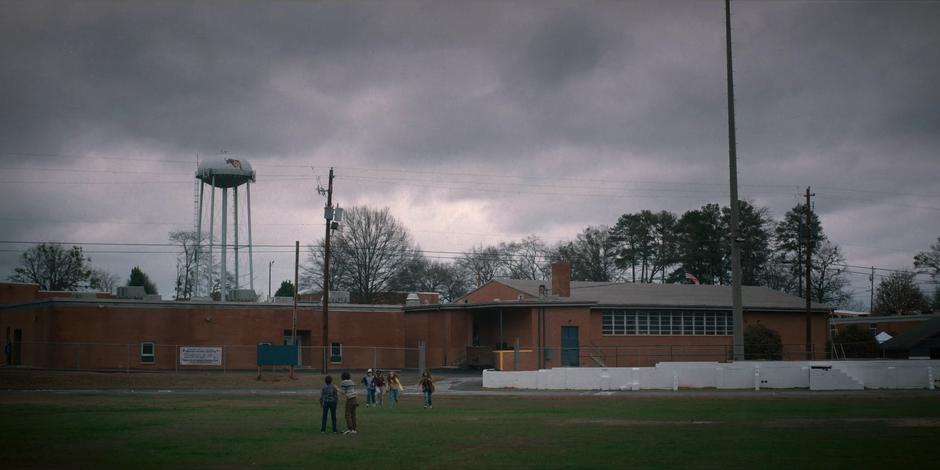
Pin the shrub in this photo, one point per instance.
(762, 343)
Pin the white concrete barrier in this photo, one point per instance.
(840, 375)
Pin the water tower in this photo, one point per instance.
(224, 173)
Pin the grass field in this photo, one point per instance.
(42, 430)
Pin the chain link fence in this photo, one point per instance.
(164, 357)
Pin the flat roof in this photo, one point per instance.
(639, 295)
(202, 303)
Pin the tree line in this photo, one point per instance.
(56, 268)
(374, 254)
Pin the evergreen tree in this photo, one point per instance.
(140, 278)
(754, 229)
(790, 245)
(286, 289)
(701, 246)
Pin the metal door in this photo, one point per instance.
(17, 347)
(570, 348)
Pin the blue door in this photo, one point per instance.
(570, 349)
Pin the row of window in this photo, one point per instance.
(667, 322)
(148, 352)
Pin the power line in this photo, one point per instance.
(485, 176)
(498, 255)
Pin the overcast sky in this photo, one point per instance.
(475, 122)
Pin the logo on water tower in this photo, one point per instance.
(234, 163)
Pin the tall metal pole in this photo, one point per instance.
(251, 261)
(211, 234)
(328, 215)
(737, 309)
(223, 278)
(293, 328)
(809, 278)
(195, 293)
(235, 215)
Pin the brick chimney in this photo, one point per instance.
(561, 279)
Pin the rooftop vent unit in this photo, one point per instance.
(243, 295)
(412, 299)
(131, 292)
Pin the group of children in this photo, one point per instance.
(376, 385)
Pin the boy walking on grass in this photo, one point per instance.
(328, 398)
(349, 391)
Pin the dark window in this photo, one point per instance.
(148, 352)
(336, 353)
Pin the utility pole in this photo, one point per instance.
(270, 295)
(328, 215)
(871, 300)
(737, 308)
(809, 278)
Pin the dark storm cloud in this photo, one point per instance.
(575, 96)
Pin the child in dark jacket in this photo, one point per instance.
(328, 398)
(427, 386)
(369, 383)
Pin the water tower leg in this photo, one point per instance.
(235, 215)
(195, 289)
(223, 274)
(211, 234)
(251, 262)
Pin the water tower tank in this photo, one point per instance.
(224, 172)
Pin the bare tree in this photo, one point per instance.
(423, 275)
(53, 267)
(103, 281)
(482, 264)
(828, 276)
(591, 255)
(928, 262)
(898, 294)
(367, 253)
(526, 258)
(186, 282)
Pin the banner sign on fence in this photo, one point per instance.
(200, 356)
(276, 355)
